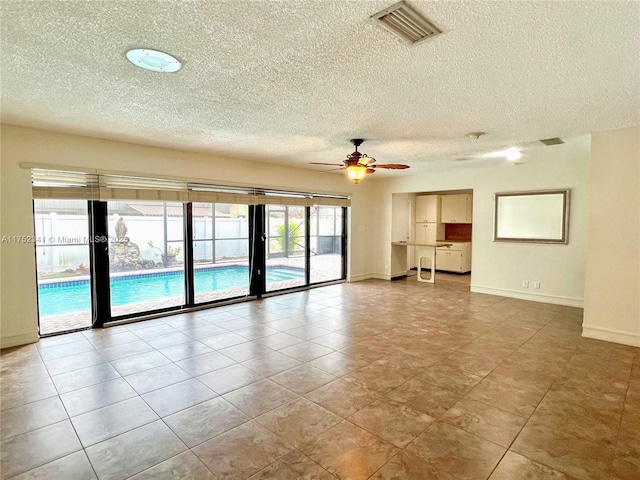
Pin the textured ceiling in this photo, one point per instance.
(290, 82)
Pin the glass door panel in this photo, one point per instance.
(286, 247)
(62, 262)
(146, 258)
(326, 244)
(220, 251)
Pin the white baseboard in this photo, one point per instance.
(534, 297)
(609, 335)
(20, 339)
(359, 278)
(367, 276)
(381, 276)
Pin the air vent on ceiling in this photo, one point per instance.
(552, 141)
(407, 23)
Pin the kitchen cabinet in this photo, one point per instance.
(428, 232)
(427, 209)
(427, 226)
(455, 258)
(456, 208)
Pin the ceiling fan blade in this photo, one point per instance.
(331, 164)
(392, 166)
(333, 170)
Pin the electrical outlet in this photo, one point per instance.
(525, 283)
(536, 284)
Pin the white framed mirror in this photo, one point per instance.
(540, 216)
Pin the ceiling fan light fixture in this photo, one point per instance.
(358, 165)
(356, 172)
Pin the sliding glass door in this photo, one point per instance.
(63, 265)
(146, 256)
(326, 259)
(285, 250)
(100, 262)
(220, 251)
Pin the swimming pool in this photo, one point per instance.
(72, 296)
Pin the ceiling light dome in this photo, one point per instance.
(513, 154)
(153, 60)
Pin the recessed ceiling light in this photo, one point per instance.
(513, 154)
(153, 60)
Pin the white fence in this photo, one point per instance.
(63, 239)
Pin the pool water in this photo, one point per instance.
(66, 297)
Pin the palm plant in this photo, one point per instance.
(292, 234)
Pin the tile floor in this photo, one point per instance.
(380, 380)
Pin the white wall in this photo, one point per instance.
(612, 289)
(500, 268)
(18, 317)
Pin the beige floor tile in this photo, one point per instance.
(206, 363)
(138, 363)
(107, 422)
(405, 466)
(456, 380)
(348, 451)
(85, 377)
(241, 452)
(271, 363)
(483, 420)
(231, 378)
(424, 397)
(456, 452)
(338, 363)
(298, 421)
(37, 447)
(133, 452)
(75, 466)
(23, 374)
(625, 467)
(480, 365)
(179, 396)
(595, 425)
(380, 376)
(342, 398)
(205, 420)
(293, 465)
(572, 455)
(392, 421)
(155, 378)
(506, 397)
(25, 418)
(183, 466)
(74, 362)
(306, 351)
(527, 377)
(587, 397)
(516, 467)
(303, 379)
(259, 397)
(367, 351)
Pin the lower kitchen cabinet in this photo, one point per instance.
(456, 258)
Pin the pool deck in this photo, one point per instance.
(325, 268)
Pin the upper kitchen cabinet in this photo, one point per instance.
(455, 208)
(428, 209)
